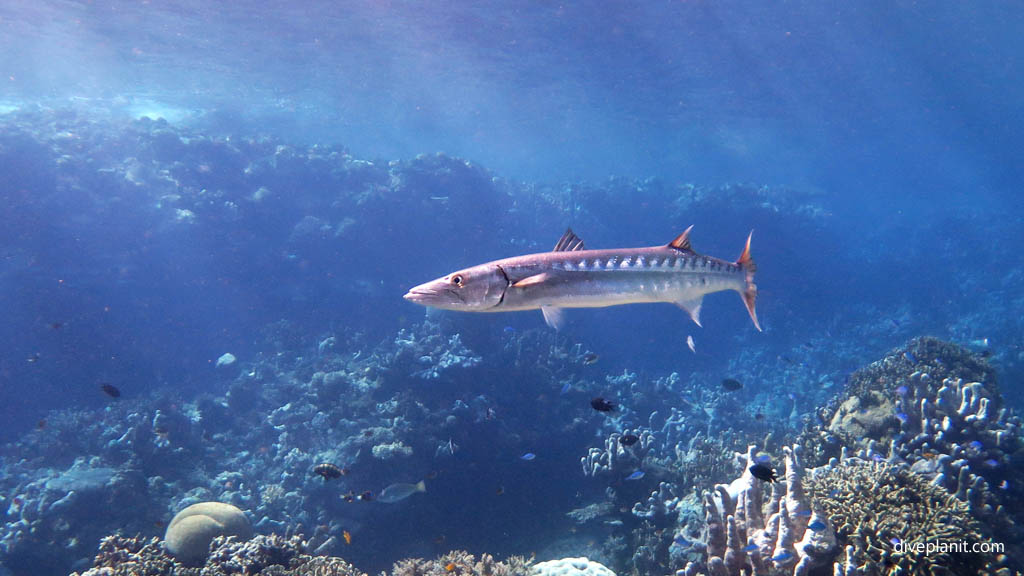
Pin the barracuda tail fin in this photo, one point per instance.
(749, 293)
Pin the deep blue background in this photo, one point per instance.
(901, 119)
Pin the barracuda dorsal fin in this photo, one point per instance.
(682, 242)
(569, 242)
(692, 306)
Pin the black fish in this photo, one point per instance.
(328, 471)
(629, 439)
(590, 358)
(349, 497)
(763, 473)
(732, 384)
(110, 390)
(759, 416)
(366, 496)
(602, 405)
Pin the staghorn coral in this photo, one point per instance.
(461, 563)
(881, 510)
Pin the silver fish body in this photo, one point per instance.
(573, 277)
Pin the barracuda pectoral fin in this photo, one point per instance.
(553, 316)
(692, 307)
(531, 280)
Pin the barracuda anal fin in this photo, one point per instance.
(692, 307)
(553, 316)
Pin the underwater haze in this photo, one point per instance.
(212, 211)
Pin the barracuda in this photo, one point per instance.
(572, 277)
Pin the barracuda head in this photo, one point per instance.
(475, 289)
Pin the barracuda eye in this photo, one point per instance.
(457, 280)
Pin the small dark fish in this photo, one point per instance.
(110, 390)
(328, 471)
(366, 496)
(33, 358)
(629, 439)
(602, 405)
(732, 384)
(500, 490)
(41, 424)
(590, 358)
(759, 416)
(763, 473)
(349, 496)
(56, 325)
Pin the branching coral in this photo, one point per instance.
(885, 512)
(461, 563)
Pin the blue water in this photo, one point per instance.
(872, 148)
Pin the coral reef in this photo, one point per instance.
(852, 516)
(936, 407)
(263, 555)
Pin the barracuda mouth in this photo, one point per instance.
(430, 296)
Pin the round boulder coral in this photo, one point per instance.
(189, 534)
